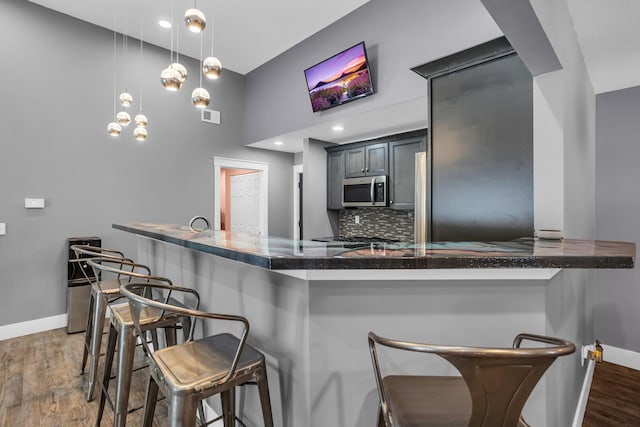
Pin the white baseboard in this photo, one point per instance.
(584, 394)
(620, 356)
(32, 326)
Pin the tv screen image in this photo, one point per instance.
(342, 78)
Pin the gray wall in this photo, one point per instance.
(317, 221)
(570, 296)
(617, 208)
(569, 94)
(57, 98)
(398, 35)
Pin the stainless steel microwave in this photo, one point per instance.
(365, 191)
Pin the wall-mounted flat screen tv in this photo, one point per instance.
(342, 78)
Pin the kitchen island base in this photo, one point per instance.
(314, 331)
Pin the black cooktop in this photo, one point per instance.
(354, 241)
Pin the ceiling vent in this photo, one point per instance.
(210, 116)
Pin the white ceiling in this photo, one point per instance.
(609, 36)
(247, 33)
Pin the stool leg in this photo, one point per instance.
(108, 363)
(381, 421)
(100, 310)
(150, 403)
(88, 334)
(203, 419)
(182, 411)
(265, 401)
(126, 352)
(228, 398)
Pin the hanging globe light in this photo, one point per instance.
(114, 129)
(141, 120)
(195, 20)
(140, 133)
(170, 79)
(181, 70)
(200, 97)
(126, 99)
(212, 67)
(123, 118)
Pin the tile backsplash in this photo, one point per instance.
(377, 222)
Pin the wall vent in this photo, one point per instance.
(210, 116)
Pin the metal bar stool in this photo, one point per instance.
(199, 368)
(121, 330)
(102, 293)
(493, 388)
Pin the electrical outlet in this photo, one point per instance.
(357, 219)
(3, 228)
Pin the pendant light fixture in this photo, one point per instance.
(211, 66)
(140, 133)
(200, 97)
(173, 77)
(123, 118)
(114, 128)
(126, 99)
(141, 120)
(194, 19)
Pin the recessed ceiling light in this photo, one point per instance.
(338, 128)
(164, 23)
(278, 143)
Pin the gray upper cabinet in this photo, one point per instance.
(402, 171)
(335, 175)
(366, 160)
(392, 155)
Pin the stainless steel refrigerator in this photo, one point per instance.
(475, 182)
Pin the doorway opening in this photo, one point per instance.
(240, 196)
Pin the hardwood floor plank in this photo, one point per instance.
(41, 384)
(614, 399)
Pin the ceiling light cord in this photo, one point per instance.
(141, 54)
(173, 24)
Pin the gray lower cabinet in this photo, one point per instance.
(402, 171)
(335, 175)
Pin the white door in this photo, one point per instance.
(245, 199)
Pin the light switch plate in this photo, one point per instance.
(3, 228)
(34, 203)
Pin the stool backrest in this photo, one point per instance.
(84, 253)
(120, 269)
(499, 380)
(139, 301)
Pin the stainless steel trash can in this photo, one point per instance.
(78, 287)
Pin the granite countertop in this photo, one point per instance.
(278, 253)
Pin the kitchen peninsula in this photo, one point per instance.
(311, 305)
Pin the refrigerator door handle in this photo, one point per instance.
(420, 198)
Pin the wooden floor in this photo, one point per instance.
(614, 399)
(41, 384)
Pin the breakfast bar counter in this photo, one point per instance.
(311, 305)
(276, 253)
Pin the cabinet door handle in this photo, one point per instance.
(367, 169)
(362, 170)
